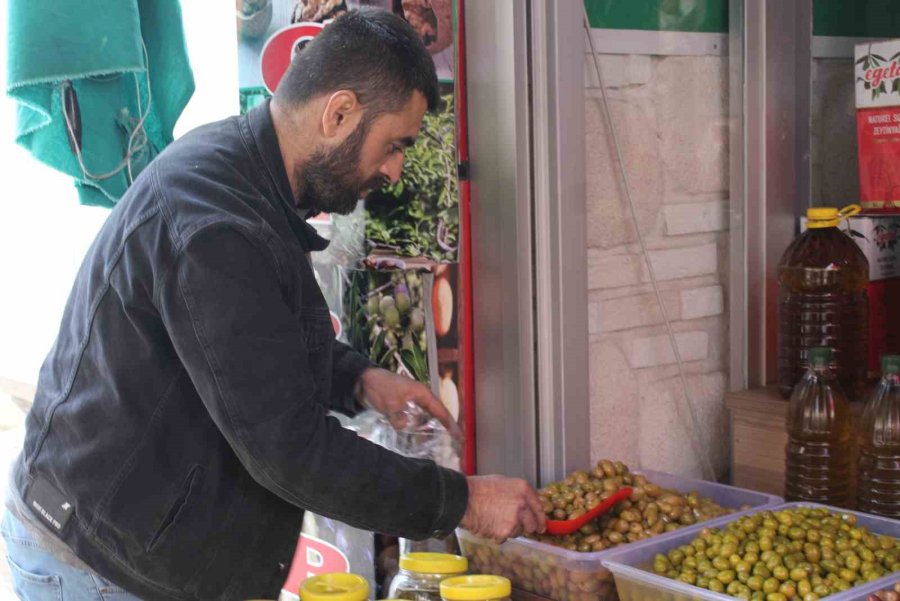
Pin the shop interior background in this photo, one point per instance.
(669, 94)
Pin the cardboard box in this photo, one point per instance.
(877, 77)
(879, 238)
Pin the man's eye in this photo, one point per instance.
(395, 148)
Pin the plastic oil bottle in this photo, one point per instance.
(822, 279)
(879, 444)
(819, 437)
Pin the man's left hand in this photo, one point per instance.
(387, 393)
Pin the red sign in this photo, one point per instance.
(878, 134)
(280, 49)
(313, 557)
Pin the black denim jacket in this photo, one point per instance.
(181, 414)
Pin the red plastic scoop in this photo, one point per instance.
(563, 527)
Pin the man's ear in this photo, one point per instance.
(340, 109)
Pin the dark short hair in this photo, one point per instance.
(369, 51)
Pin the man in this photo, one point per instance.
(180, 429)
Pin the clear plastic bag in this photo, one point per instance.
(413, 432)
(417, 435)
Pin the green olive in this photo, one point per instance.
(788, 589)
(762, 571)
(795, 554)
(726, 576)
(720, 563)
(688, 577)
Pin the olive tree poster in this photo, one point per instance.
(271, 31)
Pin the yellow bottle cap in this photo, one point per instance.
(434, 563)
(475, 588)
(335, 587)
(819, 217)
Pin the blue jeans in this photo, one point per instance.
(39, 576)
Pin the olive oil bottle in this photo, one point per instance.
(819, 437)
(879, 444)
(822, 301)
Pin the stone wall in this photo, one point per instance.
(671, 117)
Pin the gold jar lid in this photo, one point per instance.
(476, 588)
(335, 587)
(434, 563)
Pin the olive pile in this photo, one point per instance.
(649, 511)
(389, 320)
(795, 554)
(401, 306)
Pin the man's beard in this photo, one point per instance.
(330, 182)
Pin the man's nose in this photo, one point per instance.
(393, 168)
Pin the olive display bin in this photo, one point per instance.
(563, 575)
(635, 583)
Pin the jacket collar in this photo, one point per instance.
(265, 139)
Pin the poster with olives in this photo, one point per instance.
(270, 32)
(405, 320)
(419, 215)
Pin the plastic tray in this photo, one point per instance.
(637, 584)
(564, 575)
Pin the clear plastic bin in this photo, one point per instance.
(637, 584)
(533, 566)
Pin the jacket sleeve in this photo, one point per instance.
(348, 365)
(240, 342)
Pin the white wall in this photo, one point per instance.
(671, 115)
(44, 232)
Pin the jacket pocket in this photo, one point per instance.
(191, 485)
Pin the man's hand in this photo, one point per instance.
(388, 393)
(500, 508)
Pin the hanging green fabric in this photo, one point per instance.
(99, 86)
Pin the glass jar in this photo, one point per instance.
(335, 587)
(421, 574)
(476, 588)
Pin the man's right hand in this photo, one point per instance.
(500, 508)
